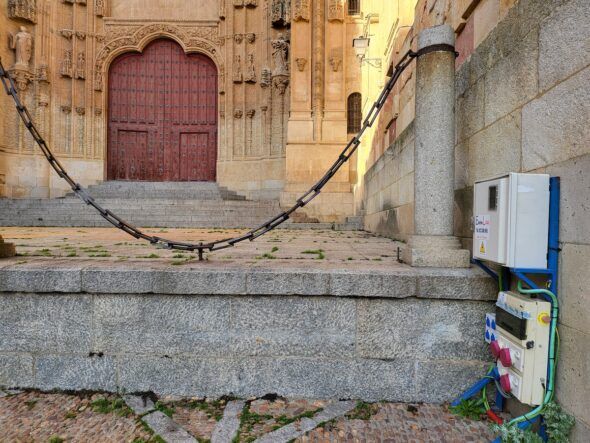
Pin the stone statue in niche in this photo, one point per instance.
(301, 10)
(250, 76)
(100, 8)
(335, 11)
(238, 78)
(66, 64)
(280, 54)
(23, 9)
(280, 13)
(81, 66)
(22, 43)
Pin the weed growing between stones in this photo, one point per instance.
(150, 256)
(56, 439)
(212, 408)
(318, 252)
(472, 408)
(105, 406)
(31, 404)
(166, 410)
(363, 411)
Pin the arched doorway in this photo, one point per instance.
(162, 115)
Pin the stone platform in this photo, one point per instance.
(320, 314)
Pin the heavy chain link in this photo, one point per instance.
(217, 245)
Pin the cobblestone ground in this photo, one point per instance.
(42, 417)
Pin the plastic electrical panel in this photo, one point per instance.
(521, 347)
(511, 220)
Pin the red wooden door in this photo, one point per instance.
(162, 115)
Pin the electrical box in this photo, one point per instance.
(522, 345)
(511, 220)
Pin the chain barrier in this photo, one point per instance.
(251, 235)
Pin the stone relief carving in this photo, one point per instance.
(67, 33)
(66, 64)
(251, 3)
(97, 78)
(22, 44)
(281, 82)
(280, 13)
(100, 8)
(335, 11)
(237, 77)
(238, 113)
(222, 9)
(250, 37)
(238, 38)
(250, 113)
(80, 35)
(280, 54)
(81, 66)
(42, 73)
(301, 10)
(239, 3)
(80, 110)
(265, 77)
(336, 59)
(301, 62)
(250, 76)
(23, 9)
(66, 109)
(97, 111)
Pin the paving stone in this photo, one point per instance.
(140, 405)
(165, 427)
(457, 284)
(227, 427)
(116, 280)
(75, 373)
(31, 278)
(45, 323)
(283, 282)
(208, 282)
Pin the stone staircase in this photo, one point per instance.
(147, 204)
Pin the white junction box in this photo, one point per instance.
(511, 220)
(522, 327)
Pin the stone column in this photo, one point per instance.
(433, 243)
(6, 249)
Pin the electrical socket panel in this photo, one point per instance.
(511, 220)
(522, 345)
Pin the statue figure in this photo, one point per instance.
(238, 78)
(280, 54)
(100, 8)
(66, 64)
(81, 66)
(22, 43)
(250, 70)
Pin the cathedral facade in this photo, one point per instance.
(251, 94)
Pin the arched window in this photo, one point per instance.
(354, 112)
(354, 7)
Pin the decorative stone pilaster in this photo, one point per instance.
(6, 249)
(433, 243)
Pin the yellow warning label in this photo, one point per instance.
(482, 247)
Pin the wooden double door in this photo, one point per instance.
(162, 122)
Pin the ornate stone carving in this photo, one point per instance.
(66, 64)
(280, 13)
(238, 113)
(42, 73)
(80, 110)
(265, 77)
(66, 109)
(238, 77)
(301, 10)
(81, 65)
(281, 82)
(250, 113)
(21, 78)
(301, 62)
(80, 35)
(239, 3)
(250, 76)
(250, 37)
(100, 38)
(238, 38)
(23, 9)
(280, 54)
(22, 43)
(100, 8)
(67, 33)
(335, 11)
(97, 78)
(97, 111)
(336, 59)
(251, 3)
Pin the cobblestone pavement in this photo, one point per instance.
(326, 249)
(43, 417)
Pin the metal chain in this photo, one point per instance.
(217, 245)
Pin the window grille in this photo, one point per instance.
(354, 113)
(354, 7)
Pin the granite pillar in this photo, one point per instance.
(433, 243)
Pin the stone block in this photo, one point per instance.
(563, 43)
(496, 149)
(574, 222)
(407, 329)
(463, 212)
(457, 284)
(167, 428)
(202, 281)
(435, 251)
(486, 17)
(297, 326)
(36, 278)
(580, 432)
(555, 125)
(574, 287)
(572, 380)
(69, 372)
(470, 111)
(512, 81)
(287, 282)
(364, 284)
(115, 280)
(456, 377)
(6, 249)
(161, 325)
(16, 371)
(45, 323)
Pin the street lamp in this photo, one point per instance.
(361, 45)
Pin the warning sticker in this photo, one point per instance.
(483, 247)
(482, 227)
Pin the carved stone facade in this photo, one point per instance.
(61, 59)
